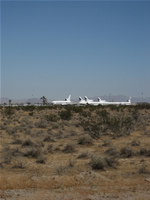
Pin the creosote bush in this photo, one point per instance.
(83, 155)
(144, 151)
(66, 115)
(41, 159)
(85, 139)
(49, 148)
(126, 152)
(98, 162)
(112, 151)
(71, 163)
(61, 170)
(143, 169)
(69, 148)
(33, 152)
(27, 142)
(135, 143)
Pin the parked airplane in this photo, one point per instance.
(82, 101)
(65, 102)
(103, 102)
(93, 103)
(88, 100)
(121, 103)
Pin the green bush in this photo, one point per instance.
(9, 111)
(65, 115)
(51, 118)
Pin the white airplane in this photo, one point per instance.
(82, 101)
(88, 100)
(96, 103)
(91, 102)
(103, 102)
(65, 102)
(121, 103)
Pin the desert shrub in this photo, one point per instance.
(70, 134)
(41, 159)
(7, 157)
(57, 149)
(85, 140)
(61, 170)
(111, 161)
(77, 109)
(142, 169)
(16, 152)
(39, 143)
(107, 142)
(28, 108)
(19, 164)
(41, 124)
(51, 118)
(31, 113)
(97, 162)
(28, 131)
(49, 148)
(9, 111)
(83, 155)
(112, 151)
(17, 141)
(135, 143)
(3, 127)
(135, 114)
(65, 115)
(69, 148)
(126, 152)
(27, 142)
(58, 135)
(104, 114)
(71, 163)
(142, 106)
(33, 152)
(11, 130)
(144, 151)
(48, 139)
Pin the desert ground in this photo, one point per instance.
(75, 152)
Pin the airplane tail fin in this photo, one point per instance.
(129, 100)
(99, 99)
(80, 99)
(86, 99)
(68, 99)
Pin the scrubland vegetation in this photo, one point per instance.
(97, 152)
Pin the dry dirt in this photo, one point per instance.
(42, 157)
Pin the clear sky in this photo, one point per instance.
(91, 48)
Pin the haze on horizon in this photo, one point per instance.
(91, 48)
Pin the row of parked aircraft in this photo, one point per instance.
(87, 101)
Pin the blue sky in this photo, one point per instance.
(91, 48)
